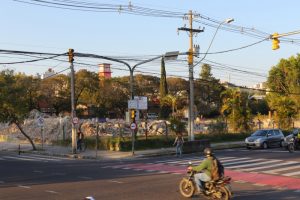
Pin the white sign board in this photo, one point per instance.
(142, 102)
(132, 104)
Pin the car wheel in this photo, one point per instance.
(248, 147)
(264, 145)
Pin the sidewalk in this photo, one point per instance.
(52, 150)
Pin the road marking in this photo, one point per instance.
(50, 191)
(253, 164)
(291, 174)
(1, 182)
(233, 159)
(298, 191)
(23, 186)
(260, 185)
(243, 161)
(240, 181)
(274, 171)
(115, 181)
(270, 166)
(2, 159)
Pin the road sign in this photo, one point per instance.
(132, 104)
(133, 126)
(75, 120)
(40, 121)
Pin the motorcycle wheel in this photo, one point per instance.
(291, 148)
(186, 188)
(221, 194)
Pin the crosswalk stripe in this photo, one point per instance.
(41, 158)
(232, 159)
(253, 164)
(29, 158)
(243, 161)
(270, 166)
(291, 174)
(274, 171)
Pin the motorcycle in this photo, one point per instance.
(292, 145)
(220, 189)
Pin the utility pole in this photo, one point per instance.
(191, 74)
(73, 111)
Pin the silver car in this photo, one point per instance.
(265, 138)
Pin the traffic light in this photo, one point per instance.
(275, 41)
(133, 114)
(71, 55)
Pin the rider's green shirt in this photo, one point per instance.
(205, 165)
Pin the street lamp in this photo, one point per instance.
(191, 107)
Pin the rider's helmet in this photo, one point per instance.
(208, 152)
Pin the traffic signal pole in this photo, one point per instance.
(73, 111)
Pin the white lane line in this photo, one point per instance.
(2, 159)
(291, 174)
(253, 164)
(23, 186)
(274, 171)
(50, 191)
(1, 182)
(270, 166)
(115, 181)
(243, 161)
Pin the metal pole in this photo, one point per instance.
(73, 114)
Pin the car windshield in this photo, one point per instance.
(260, 133)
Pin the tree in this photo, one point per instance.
(15, 98)
(207, 93)
(283, 82)
(163, 87)
(235, 109)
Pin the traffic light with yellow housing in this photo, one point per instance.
(133, 114)
(71, 55)
(275, 41)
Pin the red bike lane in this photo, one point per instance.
(250, 177)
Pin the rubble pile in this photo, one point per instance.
(53, 128)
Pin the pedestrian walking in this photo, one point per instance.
(179, 143)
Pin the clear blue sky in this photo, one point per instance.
(35, 28)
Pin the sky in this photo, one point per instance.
(245, 59)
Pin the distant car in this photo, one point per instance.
(265, 138)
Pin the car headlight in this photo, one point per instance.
(257, 140)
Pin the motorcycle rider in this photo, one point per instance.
(203, 170)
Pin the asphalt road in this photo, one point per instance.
(257, 174)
